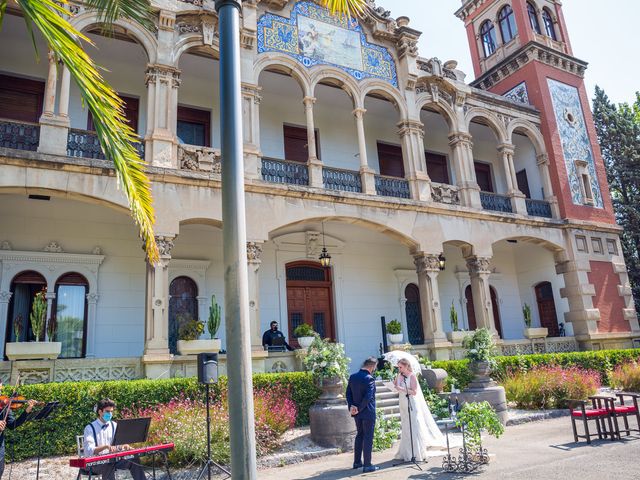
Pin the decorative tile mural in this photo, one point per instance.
(314, 37)
(518, 94)
(575, 140)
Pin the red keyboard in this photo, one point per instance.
(86, 462)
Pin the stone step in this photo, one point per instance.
(385, 395)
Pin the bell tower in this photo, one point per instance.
(521, 49)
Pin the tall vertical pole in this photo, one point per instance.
(234, 240)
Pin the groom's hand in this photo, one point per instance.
(353, 410)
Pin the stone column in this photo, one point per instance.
(5, 297)
(54, 130)
(162, 96)
(543, 167)
(92, 303)
(65, 84)
(254, 254)
(50, 296)
(251, 130)
(428, 268)
(49, 107)
(313, 163)
(411, 133)
(157, 359)
(479, 273)
(367, 174)
(462, 153)
(518, 203)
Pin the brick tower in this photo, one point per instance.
(521, 49)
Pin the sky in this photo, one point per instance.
(606, 38)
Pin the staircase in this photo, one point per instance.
(387, 401)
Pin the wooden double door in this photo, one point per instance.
(310, 298)
(471, 313)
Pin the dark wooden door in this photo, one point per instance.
(390, 160)
(296, 143)
(471, 313)
(21, 99)
(183, 306)
(483, 176)
(547, 308)
(523, 183)
(309, 299)
(437, 167)
(496, 311)
(413, 314)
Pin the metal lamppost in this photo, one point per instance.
(234, 241)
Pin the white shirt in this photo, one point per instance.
(103, 436)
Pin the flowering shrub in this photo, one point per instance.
(385, 432)
(480, 346)
(476, 418)
(550, 386)
(626, 377)
(327, 360)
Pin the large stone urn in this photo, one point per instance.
(330, 421)
(482, 388)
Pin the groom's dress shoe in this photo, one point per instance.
(357, 465)
(370, 468)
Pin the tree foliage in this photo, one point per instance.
(618, 129)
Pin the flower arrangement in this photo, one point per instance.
(37, 316)
(526, 313)
(394, 327)
(213, 323)
(453, 318)
(303, 330)
(189, 328)
(326, 359)
(480, 346)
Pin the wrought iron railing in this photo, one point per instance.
(282, 171)
(444, 193)
(495, 202)
(85, 144)
(19, 135)
(343, 180)
(539, 208)
(392, 187)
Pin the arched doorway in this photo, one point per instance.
(496, 311)
(471, 314)
(413, 314)
(547, 308)
(24, 287)
(310, 298)
(70, 314)
(183, 306)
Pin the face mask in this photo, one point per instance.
(106, 416)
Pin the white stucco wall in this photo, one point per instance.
(525, 158)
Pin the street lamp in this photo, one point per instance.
(325, 258)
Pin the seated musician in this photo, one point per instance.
(98, 437)
(8, 420)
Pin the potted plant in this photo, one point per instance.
(455, 335)
(477, 417)
(40, 348)
(305, 335)
(481, 351)
(529, 332)
(190, 330)
(394, 332)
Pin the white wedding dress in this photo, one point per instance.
(424, 430)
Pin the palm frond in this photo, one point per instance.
(349, 8)
(109, 11)
(115, 135)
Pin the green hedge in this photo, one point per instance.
(79, 398)
(603, 361)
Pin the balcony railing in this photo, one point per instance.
(282, 171)
(85, 144)
(19, 135)
(204, 159)
(443, 193)
(343, 180)
(392, 187)
(495, 202)
(539, 208)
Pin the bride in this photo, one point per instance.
(423, 428)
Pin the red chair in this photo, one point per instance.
(578, 411)
(625, 411)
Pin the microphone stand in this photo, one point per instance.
(413, 454)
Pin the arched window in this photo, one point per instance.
(488, 34)
(413, 314)
(69, 314)
(533, 18)
(24, 287)
(183, 306)
(547, 19)
(507, 22)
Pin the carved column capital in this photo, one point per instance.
(162, 73)
(92, 298)
(254, 252)
(426, 263)
(5, 297)
(479, 265)
(460, 138)
(309, 101)
(542, 159)
(165, 245)
(408, 127)
(50, 295)
(359, 112)
(506, 148)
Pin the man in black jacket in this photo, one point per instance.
(274, 337)
(11, 422)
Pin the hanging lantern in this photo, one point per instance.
(441, 261)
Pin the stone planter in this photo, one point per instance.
(305, 342)
(456, 337)
(329, 418)
(483, 388)
(33, 350)
(394, 338)
(533, 333)
(480, 369)
(193, 347)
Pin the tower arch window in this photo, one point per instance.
(549, 28)
(533, 18)
(507, 22)
(70, 314)
(488, 35)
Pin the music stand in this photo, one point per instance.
(45, 412)
(131, 430)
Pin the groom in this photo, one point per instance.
(361, 398)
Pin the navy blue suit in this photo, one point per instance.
(361, 393)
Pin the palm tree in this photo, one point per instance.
(352, 8)
(115, 135)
